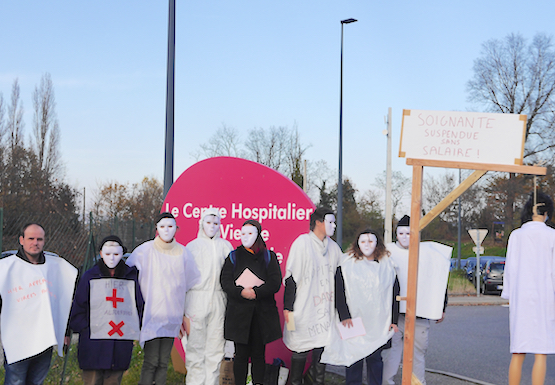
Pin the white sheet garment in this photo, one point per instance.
(433, 273)
(36, 300)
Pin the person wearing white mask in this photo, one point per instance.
(309, 300)
(433, 273)
(365, 290)
(166, 272)
(251, 277)
(205, 303)
(104, 353)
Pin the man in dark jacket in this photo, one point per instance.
(106, 313)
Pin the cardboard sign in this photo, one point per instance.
(242, 190)
(470, 137)
(113, 309)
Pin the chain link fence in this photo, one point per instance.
(75, 240)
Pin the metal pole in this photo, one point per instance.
(478, 243)
(1, 226)
(459, 229)
(388, 205)
(340, 179)
(170, 92)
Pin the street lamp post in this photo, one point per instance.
(340, 181)
(170, 74)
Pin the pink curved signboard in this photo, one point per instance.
(242, 190)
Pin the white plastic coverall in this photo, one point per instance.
(312, 264)
(205, 307)
(369, 292)
(166, 272)
(433, 273)
(529, 285)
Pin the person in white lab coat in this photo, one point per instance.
(205, 303)
(528, 284)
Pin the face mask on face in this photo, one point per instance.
(248, 235)
(166, 229)
(367, 244)
(111, 255)
(403, 236)
(329, 223)
(210, 225)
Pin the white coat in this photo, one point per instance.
(312, 264)
(205, 307)
(166, 272)
(529, 285)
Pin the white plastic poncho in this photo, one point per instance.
(166, 272)
(433, 273)
(369, 293)
(529, 285)
(312, 264)
(205, 307)
(36, 300)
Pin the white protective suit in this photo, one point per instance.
(205, 307)
(529, 285)
(166, 272)
(312, 264)
(369, 293)
(36, 301)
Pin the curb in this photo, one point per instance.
(458, 377)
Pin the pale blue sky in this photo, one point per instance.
(245, 64)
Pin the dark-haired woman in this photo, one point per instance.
(529, 285)
(366, 287)
(250, 277)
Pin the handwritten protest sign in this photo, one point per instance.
(472, 137)
(114, 309)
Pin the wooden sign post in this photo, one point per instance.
(465, 140)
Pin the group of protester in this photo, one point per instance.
(343, 309)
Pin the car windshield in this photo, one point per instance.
(497, 267)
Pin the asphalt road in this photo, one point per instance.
(473, 341)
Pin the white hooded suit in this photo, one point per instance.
(205, 307)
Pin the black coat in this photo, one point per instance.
(240, 311)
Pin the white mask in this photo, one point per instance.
(367, 244)
(329, 222)
(210, 225)
(248, 235)
(403, 236)
(111, 255)
(166, 229)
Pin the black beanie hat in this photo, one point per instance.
(164, 215)
(113, 238)
(405, 221)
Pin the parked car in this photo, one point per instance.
(492, 276)
(471, 272)
(470, 268)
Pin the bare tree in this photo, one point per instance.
(2, 123)
(511, 76)
(268, 147)
(225, 142)
(46, 132)
(15, 119)
(400, 189)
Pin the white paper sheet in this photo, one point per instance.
(248, 280)
(354, 331)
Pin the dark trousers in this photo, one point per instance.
(256, 350)
(156, 358)
(374, 367)
(30, 371)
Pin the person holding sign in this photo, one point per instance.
(365, 291)
(205, 303)
(309, 299)
(528, 284)
(35, 300)
(166, 272)
(106, 313)
(433, 273)
(251, 277)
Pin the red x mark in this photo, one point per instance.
(116, 328)
(114, 298)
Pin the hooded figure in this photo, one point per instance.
(205, 303)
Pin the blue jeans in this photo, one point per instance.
(374, 366)
(30, 371)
